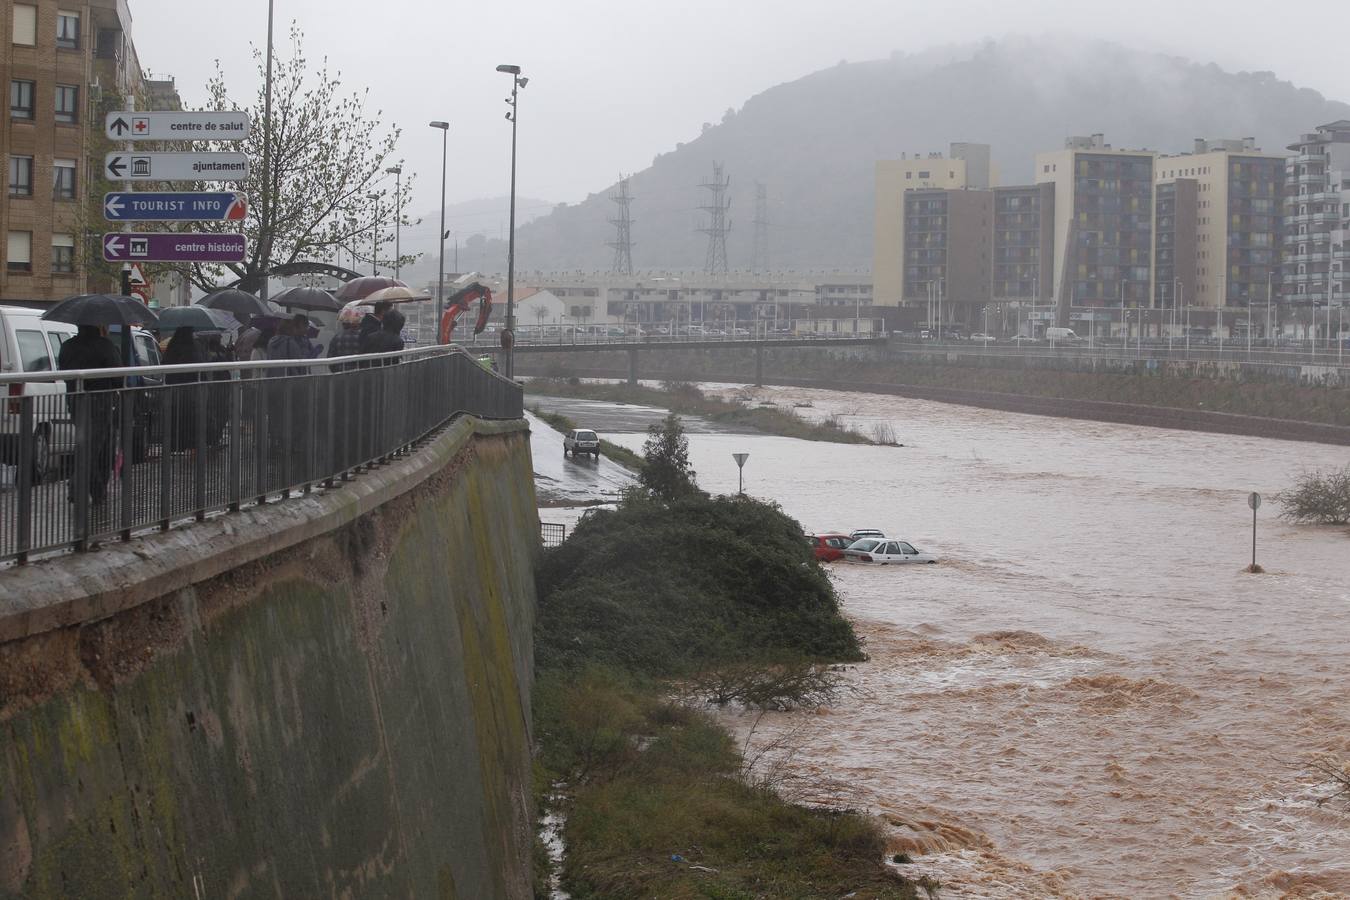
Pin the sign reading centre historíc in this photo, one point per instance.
(176, 125)
(140, 246)
(205, 206)
(136, 166)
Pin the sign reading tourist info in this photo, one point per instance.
(140, 246)
(202, 206)
(176, 125)
(136, 166)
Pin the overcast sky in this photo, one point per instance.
(615, 82)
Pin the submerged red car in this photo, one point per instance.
(829, 547)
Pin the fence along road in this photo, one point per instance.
(181, 442)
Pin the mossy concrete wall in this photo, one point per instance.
(346, 717)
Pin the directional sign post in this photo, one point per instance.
(212, 206)
(740, 466)
(176, 125)
(135, 166)
(121, 246)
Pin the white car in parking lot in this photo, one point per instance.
(886, 552)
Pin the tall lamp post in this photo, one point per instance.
(518, 82)
(397, 172)
(440, 271)
(375, 236)
(266, 210)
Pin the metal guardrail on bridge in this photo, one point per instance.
(180, 442)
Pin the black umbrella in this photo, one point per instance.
(233, 300)
(101, 309)
(198, 318)
(307, 298)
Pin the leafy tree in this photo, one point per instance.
(667, 473)
(328, 152)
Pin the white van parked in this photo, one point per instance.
(28, 343)
(1060, 334)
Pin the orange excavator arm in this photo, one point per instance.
(459, 303)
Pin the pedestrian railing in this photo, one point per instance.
(552, 533)
(175, 443)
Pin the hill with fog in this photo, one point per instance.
(813, 143)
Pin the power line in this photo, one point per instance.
(760, 259)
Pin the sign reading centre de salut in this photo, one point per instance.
(176, 125)
(173, 247)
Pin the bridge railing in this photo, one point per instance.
(88, 456)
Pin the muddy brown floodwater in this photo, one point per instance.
(1087, 697)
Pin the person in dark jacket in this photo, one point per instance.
(390, 336)
(291, 342)
(373, 324)
(89, 349)
(346, 342)
(183, 351)
(289, 418)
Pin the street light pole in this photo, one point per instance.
(375, 236)
(265, 235)
(508, 336)
(440, 269)
(397, 172)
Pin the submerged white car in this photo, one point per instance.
(886, 552)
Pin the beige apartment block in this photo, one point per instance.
(62, 61)
(1236, 215)
(1103, 233)
(965, 166)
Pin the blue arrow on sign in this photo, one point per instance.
(174, 206)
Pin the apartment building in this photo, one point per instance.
(1103, 232)
(1218, 225)
(1023, 244)
(1317, 218)
(966, 166)
(63, 62)
(946, 239)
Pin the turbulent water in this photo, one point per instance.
(1087, 697)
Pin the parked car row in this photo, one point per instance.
(868, 546)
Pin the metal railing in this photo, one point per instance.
(1318, 352)
(552, 534)
(88, 456)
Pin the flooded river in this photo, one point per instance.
(1087, 697)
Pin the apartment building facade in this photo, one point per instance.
(1023, 244)
(966, 166)
(946, 244)
(62, 61)
(1316, 241)
(1219, 213)
(1103, 234)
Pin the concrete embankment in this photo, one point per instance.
(722, 368)
(323, 697)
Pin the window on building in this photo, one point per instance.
(67, 29)
(20, 255)
(63, 179)
(909, 176)
(925, 174)
(21, 176)
(25, 24)
(21, 99)
(63, 254)
(67, 103)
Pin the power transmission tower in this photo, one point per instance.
(623, 237)
(718, 223)
(760, 260)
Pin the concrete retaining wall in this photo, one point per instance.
(342, 711)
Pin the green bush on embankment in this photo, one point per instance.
(657, 805)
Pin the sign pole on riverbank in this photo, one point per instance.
(740, 470)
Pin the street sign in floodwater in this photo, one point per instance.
(134, 166)
(176, 125)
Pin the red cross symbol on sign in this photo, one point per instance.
(140, 125)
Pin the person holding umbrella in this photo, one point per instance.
(183, 351)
